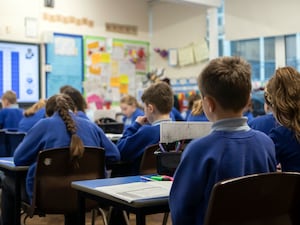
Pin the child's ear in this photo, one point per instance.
(150, 107)
(211, 103)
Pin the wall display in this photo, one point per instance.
(64, 56)
(20, 70)
(111, 67)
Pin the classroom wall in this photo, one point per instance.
(176, 26)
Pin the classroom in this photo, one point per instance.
(108, 49)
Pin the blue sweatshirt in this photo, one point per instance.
(264, 123)
(287, 148)
(200, 117)
(135, 139)
(10, 118)
(231, 150)
(130, 120)
(51, 133)
(28, 121)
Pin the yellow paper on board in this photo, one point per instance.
(95, 70)
(96, 58)
(123, 88)
(124, 79)
(104, 57)
(93, 45)
(115, 82)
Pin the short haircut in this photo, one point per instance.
(228, 81)
(129, 100)
(10, 96)
(160, 95)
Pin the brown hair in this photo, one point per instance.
(282, 93)
(228, 81)
(76, 96)
(10, 96)
(160, 95)
(35, 107)
(62, 104)
(129, 100)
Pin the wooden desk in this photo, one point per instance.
(86, 190)
(18, 173)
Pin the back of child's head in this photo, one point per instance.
(76, 96)
(228, 81)
(191, 100)
(129, 100)
(10, 96)
(282, 93)
(160, 95)
(62, 104)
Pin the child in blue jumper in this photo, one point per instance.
(61, 129)
(10, 114)
(145, 131)
(232, 149)
(283, 95)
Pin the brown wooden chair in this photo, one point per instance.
(269, 198)
(54, 173)
(148, 160)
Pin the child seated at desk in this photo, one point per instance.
(60, 129)
(145, 131)
(232, 149)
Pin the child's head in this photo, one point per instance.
(128, 105)
(9, 98)
(62, 104)
(76, 96)
(158, 100)
(225, 83)
(283, 95)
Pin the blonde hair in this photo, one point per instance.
(282, 93)
(129, 100)
(35, 107)
(197, 108)
(10, 96)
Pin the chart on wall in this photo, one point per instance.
(111, 68)
(64, 65)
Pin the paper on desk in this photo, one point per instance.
(138, 190)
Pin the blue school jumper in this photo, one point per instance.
(175, 115)
(130, 120)
(82, 115)
(28, 121)
(135, 139)
(10, 117)
(51, 133)
(231, 150)
(200, 117)
(287, 148)
(264, 123)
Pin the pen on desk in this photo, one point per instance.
(161, 147)
(146, 178)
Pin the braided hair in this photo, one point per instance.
(62, 104)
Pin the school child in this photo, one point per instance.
(32, 115)
(191, 99)
(197, 113)
(130, 109)
(231, 150)
(61, 129)
(158, 102)
(10, 114)
(283, 95)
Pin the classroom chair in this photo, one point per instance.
(52, 185)
(268, 198)
(3, 144)
(13, 139)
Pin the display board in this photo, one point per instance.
(111, 68)
(64, 57)
(20, 70)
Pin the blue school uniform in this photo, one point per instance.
(231, 150)
(130, 120)
(175, 115)
(82, 115)
(287, 148)
(10, 117)
(28, 121)
(134, 141)
(200, 117)
(264, 123)
(51, 133)
(249, 115)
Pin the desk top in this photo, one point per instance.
(89, 186)
(8, 164)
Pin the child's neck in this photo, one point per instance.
(161, 118)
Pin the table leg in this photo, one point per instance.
(81, 209)
(140, 219)
(17, 219)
